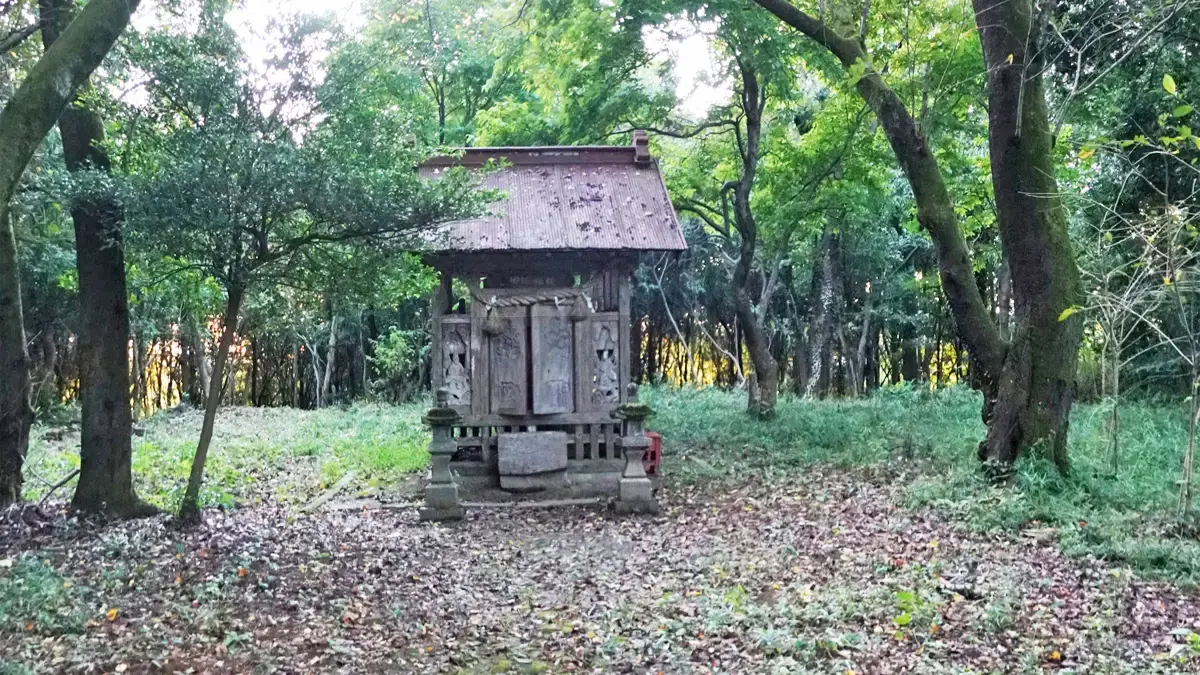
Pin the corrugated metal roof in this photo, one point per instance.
(565, 198)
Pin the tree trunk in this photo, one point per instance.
(860, 354)
(850, 364)
(16, 414)
(872, 366)
(753, 103)
(330, 356)
(294, 380)
(46, 393)
(935, 357)
(254, 394)
(1114, 447)
(27, 118)
(800, 371)
(1026, 383)
(137, 354)
(203, 367)
(1033, 398)
(106, 453)
(1004, 299)
(825, 287)
(636, 349)
(189, 510)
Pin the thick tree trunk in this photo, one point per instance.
(27, 118)
(16, 414)
(826, 300)
(871, 365)
(189, 510)
(106, 454)
(1004, 300)
(1035, 382)
(800, 370)
(1027, 383)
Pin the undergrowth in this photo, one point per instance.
(34, 598)
(1130, 517)
(928, 438)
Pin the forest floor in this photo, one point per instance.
(783, 567)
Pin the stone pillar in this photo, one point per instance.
(441, 494)
(635, 492)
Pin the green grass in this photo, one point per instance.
(257, 454)
(1131, 518)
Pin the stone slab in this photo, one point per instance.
(530, 453)
(553, 480)
(428, 513)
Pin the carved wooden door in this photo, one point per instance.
(510, 362)
(553, 362)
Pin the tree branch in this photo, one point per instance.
(16, 37)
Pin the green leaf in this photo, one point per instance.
(903, 619)
(1181, 110)
(1066, 313)
(1169, 84)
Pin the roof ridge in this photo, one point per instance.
(538, 154)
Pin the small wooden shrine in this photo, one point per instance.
(531, 316)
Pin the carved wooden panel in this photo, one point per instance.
(605, 366)
(510, 363)
(456, 361)
(553, 364)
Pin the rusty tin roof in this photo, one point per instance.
(565, 198)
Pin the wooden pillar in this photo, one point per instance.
(582, 332)
(479, 361)
(439, 306)
(624, 303)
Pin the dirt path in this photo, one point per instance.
(819, 574)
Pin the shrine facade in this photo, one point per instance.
(531, 316)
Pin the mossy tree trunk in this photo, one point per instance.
(27, 118)
(1036, 379)
(1027, 381)
(106, 453)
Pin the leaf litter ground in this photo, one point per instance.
(821, 572)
